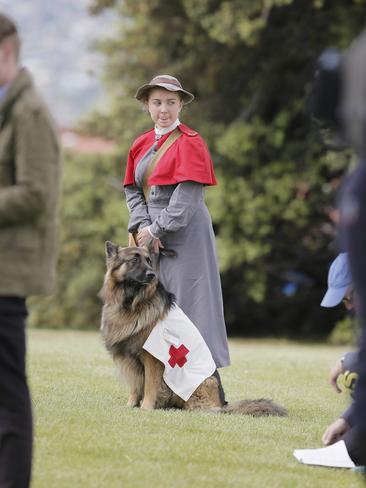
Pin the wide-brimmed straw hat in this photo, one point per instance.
(163, 81)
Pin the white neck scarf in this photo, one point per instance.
(161, 132)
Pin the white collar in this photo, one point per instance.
(161, 132)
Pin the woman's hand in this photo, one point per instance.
(156, 246)
(144, 238)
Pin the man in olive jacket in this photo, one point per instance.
(29, 188)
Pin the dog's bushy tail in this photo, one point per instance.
(257, 408)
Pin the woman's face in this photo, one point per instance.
(164, 107)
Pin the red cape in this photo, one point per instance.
(187, 159)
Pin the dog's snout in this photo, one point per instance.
(150, 275)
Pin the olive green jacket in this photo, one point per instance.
(29, 189)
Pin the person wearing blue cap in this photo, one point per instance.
(340, 289)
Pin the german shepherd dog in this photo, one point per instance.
(134, 302)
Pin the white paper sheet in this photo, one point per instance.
(334, 456)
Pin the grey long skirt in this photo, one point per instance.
(194, 278)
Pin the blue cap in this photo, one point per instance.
(339, 279)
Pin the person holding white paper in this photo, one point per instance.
(353, 222)
(340, 290)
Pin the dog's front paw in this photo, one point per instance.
(148, 405)
(133, 401)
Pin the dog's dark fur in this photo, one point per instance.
(134, 301)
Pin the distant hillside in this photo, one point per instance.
(56, 48)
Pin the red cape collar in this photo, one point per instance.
(188, 159)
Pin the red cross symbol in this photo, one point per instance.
(178, 356)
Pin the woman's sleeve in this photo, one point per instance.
(136, 204)
(182, 206)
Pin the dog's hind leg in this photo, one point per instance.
(206, 397)
(153, 377)
(130, 371)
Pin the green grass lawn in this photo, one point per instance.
(87, 437)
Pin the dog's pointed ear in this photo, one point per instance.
(110, 249)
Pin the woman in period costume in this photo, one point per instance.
(167, 209)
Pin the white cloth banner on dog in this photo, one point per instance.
(177, 343)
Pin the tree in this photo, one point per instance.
(250, 65)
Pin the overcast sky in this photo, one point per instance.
(56, 36)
